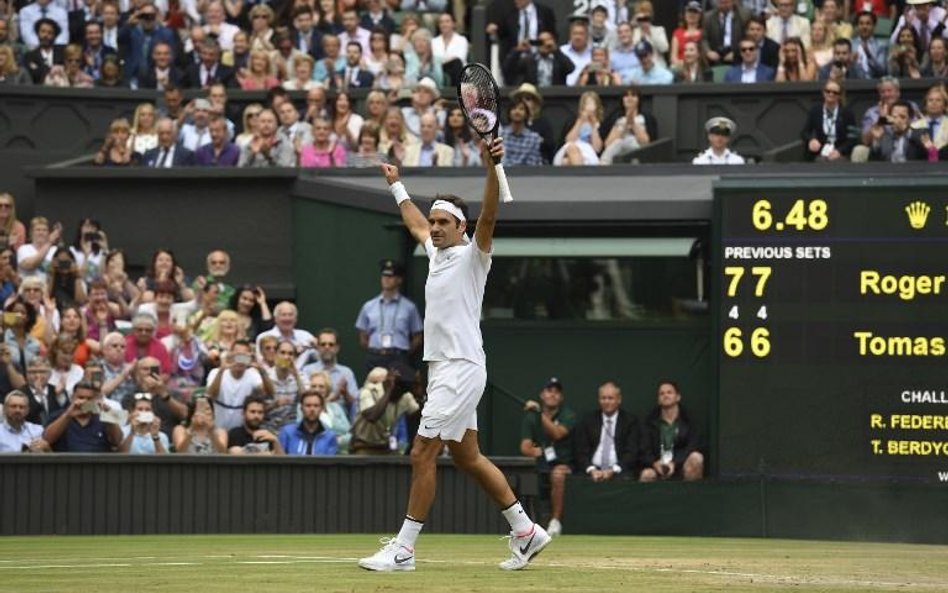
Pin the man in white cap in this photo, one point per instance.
(197, 133)
(457, 374)
(923, 16)
(423, 97)
(719, 131)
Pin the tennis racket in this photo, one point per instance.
(480, 102)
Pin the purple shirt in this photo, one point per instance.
(204, 156)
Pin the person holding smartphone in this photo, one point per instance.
(144, 430)
(237, 379)
(79, 429)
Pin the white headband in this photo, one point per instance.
(449, 207)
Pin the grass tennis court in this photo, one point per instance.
(286, 564)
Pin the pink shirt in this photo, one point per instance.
(155, 350)
(251, 84)
(310, 156)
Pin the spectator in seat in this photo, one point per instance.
(376, 15)
(420, 61)
(821, 44)
(601, 30)
(267, 149)
(222, 335)
(768, 50)
(597, 72)
(142, 343)
(826, 134)
(258, 74)
(199, 435)
(216, 25)
(23, 347)
(261, 28)
(354, 75)
(383, 400)
(288, 385)
(429, 152)
(111, 76)
(35, 290)
(367, 154)
(17, 434)
(390, 327)
(796, 64)
(306, 38)
(285, 316)
(844, 65)
(352, 31)
(144, 430)
(210, 69)
(64, 283)
(377, 59)
(144, 129)
(522, 146)
(239, 56)
(217, 268)
(889, 91)
(118, 380)
(607, 441)
(70, 74)
(392, 78)
(646, 30)
(750, 70)
(78, 427)
(936, 61)
(932, 123)
(423, 98)
(719, 130)
(237, 379)
(457, 135)
(545, 67)
(302, 75)
(722, 28)
(648, 71)
(689, 29)
(35, 258)
(116, 150)
(631, 131)
(169, 153)
(583, 140)
(521, 23)
(109, 13)
(11, 228)
(832, 15)
(162, 73)
(10, 72)
(250, 438)
(924, 18)
(45, 55)
(905, 57)
(786, 24)
(329, 20)
(322, 151)
(138, 37)
(94, 52)
(897, 142)
(346, 123)
(253, 313)
(450, 47)
(334, 415)
(66, 374)
(42, 396)
(32, 14)
(73, 326)
(671, 447)
(578, 50)
(694, 67)
(871, 52)
(546, 435)
(100, 314)
(394, 137)
(344, 383)
(309, 436)
(333, 61)
(220, 152)
(249, 128)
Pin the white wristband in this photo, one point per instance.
(398, 190)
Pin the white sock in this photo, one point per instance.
(409, 532)
(519, 521)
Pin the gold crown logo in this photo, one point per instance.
(917, 214)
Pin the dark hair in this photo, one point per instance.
(355, 44)
(77, 242)
(85, 385)
(755, 19)
(30, 312)
(254, 399)
(242, 343)
(669, 382)
(166, 287)
(94, 23)
(306, 394)
(377, 30)
(916, 41)
(329, 330)
(255, 313)
(150, 272)
(449, 138)
(301, 10)
(863, 13)
(332, 103)
(457, 201)
(192, 406)
(843, 41)
(514, 103)
(80, 333)
(906, 104)
(277, 91)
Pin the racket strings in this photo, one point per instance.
(479, 99)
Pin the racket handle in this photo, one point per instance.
(502, 182)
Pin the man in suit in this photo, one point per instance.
(524, 22)
(544, 67)
(306, 37)
(871, 52)
(376, 16)
(210, 70)
(830, 132)
(94, 52)
(31, 14)
(844, 65)
(768, 50)
(750, 69)
(722, 29)
(168, 153)
(163, 73)
(354, 75)
(898, 143)
(46, 55)
(785, 24)
(429, 152)
(607, 441)
(138, 37)
(86, 12)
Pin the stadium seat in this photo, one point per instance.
(718, 72)
(884, 27)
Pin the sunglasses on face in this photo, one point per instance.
(747, 50)
(143, 396)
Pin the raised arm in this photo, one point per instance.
(414, 220)
(484, 234)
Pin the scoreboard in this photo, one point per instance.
(831, 324)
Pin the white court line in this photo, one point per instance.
(47, 566)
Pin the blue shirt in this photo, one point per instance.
(657, 75)
(397, 317)
(321, 74)
(337, 375)
(90, 438)
(295, 440)
(142, 444)
(522, 148)
(623, 61)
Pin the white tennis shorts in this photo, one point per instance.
(455, 388)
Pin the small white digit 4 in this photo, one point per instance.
(762, 312)
(733, 314)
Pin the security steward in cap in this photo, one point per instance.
(720, 130)
(390, 327)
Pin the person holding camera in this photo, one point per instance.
(65, 285)
(199, 435)
(79, 428)
(144, 430)
(89, 249)
(384, 399)
(597, 72)
(905, 57)
(844, 65)
(287, 387)
(150, 379)
(237, 379)
(540, 63)
(250, 438)
(645, 30)
(670, 441)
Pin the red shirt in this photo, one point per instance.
(155, 350)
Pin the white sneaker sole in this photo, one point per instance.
(386, 567)
(529, 559)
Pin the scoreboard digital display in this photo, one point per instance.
(832, 327)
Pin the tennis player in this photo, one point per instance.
(457, 374)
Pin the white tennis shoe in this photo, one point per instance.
(554, 528)
(393, 556)
(525, 548)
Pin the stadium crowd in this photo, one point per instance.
(406, 51)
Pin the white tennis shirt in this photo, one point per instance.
(454, 294)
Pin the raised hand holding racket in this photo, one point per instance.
(480, 102)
